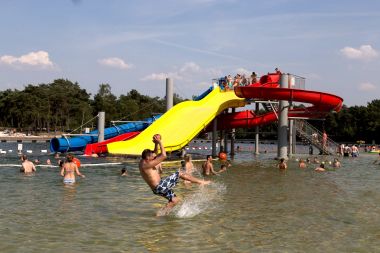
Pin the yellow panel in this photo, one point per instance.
(180, 124)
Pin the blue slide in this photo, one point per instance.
(78, 143)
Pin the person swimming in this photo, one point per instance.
(123, 172)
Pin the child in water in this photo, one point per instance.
(124, 172)
(282, 164)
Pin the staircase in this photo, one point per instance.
(311, 135)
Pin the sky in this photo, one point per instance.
(137, 44)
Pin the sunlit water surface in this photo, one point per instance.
(253, 207)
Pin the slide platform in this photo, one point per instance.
(180, 124)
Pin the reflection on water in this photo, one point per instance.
(251, 207)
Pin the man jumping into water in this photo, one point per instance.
(162, 187)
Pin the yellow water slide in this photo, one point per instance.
(180, 124)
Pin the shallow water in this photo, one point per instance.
(253, 207)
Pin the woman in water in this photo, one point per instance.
(68, 169)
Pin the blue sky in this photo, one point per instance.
(137, 44)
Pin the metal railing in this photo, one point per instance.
(313, 136)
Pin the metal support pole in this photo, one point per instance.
(294, 138)
(214, 136)
(282, 151)
(101, 123)
(225, 141)
(257, 131)
(169, 93)
(233, 138)
(291, 132)
(221, 149)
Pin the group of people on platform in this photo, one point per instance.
(228, 82)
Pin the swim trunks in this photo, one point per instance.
(164, 188)
(68, 181)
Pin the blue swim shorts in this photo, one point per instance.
(164, 188)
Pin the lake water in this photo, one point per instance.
(253, 207)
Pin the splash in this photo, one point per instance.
(204, 198)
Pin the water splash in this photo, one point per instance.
(204, 198)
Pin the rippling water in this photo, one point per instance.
(253, 207)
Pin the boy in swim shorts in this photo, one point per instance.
(151, 175)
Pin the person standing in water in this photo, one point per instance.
(27, 166)
(162, 187)
(208, 168)
(282, 164)
(69, 169)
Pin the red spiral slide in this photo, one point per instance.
(322, 103)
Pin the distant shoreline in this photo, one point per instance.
(44, 138)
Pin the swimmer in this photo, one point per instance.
(321, 168)
(162, 187)
(208, 168)
(315, 160)
(36, 161)
(302, 164)
(56, 156)
(48, 162)
(223, 168)
(336, 163)
(189, 167)
(282, 164)
(69, 169)
(123, 172)
(27, 166)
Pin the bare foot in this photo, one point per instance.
(205, 182)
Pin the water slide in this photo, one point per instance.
(101, 147)
(78, 143)
(180, 124)
(322, 103)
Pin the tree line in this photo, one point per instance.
(63, 106)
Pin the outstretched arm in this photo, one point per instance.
(78, 173)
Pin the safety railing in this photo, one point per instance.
(313, 136)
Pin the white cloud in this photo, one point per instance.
(32, 59)
(161, 76)
(243, 71)
(187, 72)
(190, 67)
(114, 62)
(364, 52)
(367, 87)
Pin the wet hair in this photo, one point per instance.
(24, 157)
(208, 156)
(123, 170)
(69, 158)
(322, 166)
(282, 160)
(187, 157)
(146, 153)
(61, 162)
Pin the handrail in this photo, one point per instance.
(314, 136)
